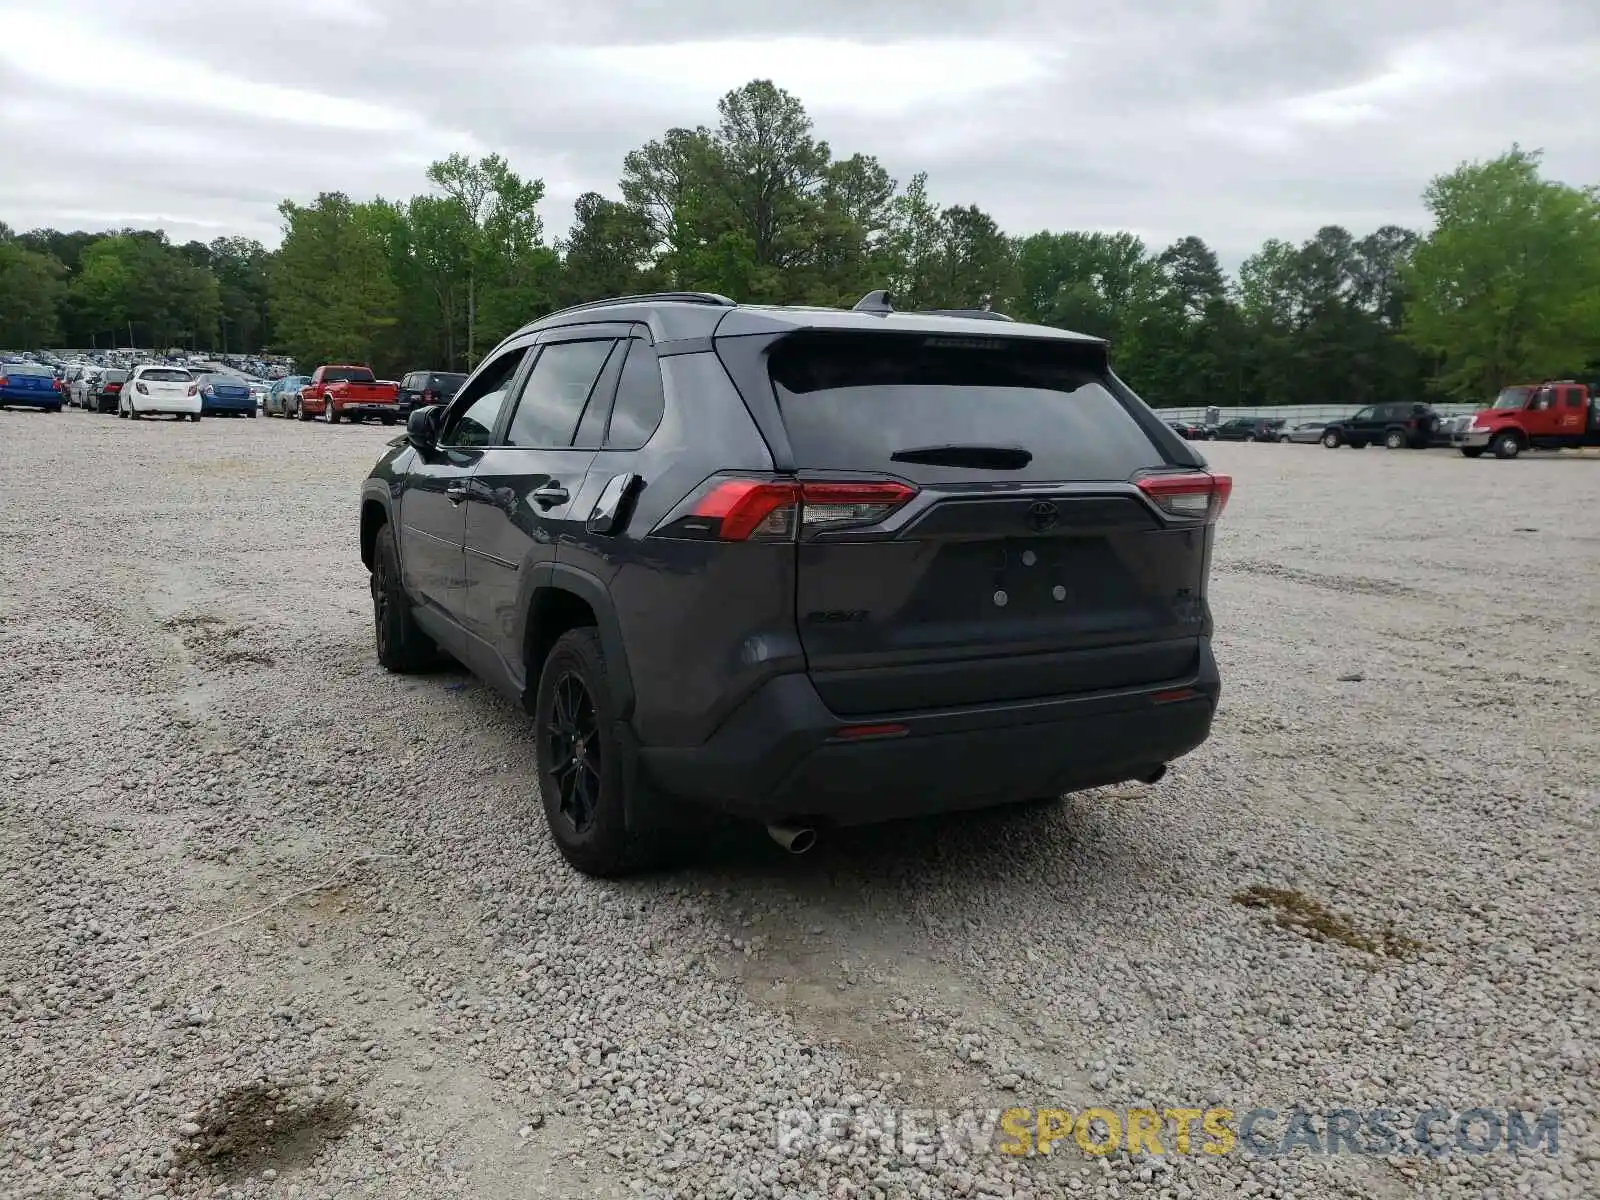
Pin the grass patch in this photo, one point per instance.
(1310, 918)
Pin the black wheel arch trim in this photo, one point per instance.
(564, 577)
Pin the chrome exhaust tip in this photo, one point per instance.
(796, 839)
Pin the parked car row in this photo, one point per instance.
(351, 392)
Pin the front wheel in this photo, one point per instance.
(402, 646)
(582, 775)
(1506, 445)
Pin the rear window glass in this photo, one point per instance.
(167, 375)
(113, 376)
(24, 369)
(445, 384)
(349, 375)
(852, 403)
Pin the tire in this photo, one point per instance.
(122, 412)
(252, 414)
(1472, 451)
(1505, 445)
(1285, 439)
(1332, 439)
(133, 413)
(1394, 440)
(329, 413)
(388, 420)
(195, 417)
(574, 722)
(402, 647)
(300, 413)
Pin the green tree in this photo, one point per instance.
(332, 293)
(31, 291)
(1506, 286)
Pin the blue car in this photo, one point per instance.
(28, 385)
(225, 396)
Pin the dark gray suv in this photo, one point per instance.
(808, 566)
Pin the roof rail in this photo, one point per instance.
(980, 314)
(678, 297)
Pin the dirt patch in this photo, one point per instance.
(214, 643)
(258, 1125)
(1312, 919)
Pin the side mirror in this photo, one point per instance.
(422, 427)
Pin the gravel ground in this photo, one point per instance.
(433, 1006)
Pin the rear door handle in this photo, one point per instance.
(457, 492)
(550, 495)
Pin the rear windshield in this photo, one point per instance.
(167, 375)
(851, 403)
(445, 383)
(349, 375)
(25, 369)
(224, 380)
(113, 376)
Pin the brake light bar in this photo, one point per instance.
(741, 510)
(1196, 496)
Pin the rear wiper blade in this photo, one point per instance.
(982, 458)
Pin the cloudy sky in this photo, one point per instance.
(1234, 119)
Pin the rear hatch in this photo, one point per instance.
(1028, 562)
(164, 384)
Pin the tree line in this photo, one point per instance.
(1504, 286)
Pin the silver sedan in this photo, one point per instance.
(1308, 432)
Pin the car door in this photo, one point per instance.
(1574, 412)
(433, 514)
(520, 507)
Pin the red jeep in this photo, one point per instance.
(1557, 415)
(349, 393)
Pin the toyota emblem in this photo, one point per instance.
(1043, 515)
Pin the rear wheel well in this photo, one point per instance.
(553, 612)
(373, 518)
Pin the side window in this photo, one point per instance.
(1572, 398)
(472, 418)
(592, 425)
(1546, 399)
(640, 400)
(1366, 414)
(556, 392)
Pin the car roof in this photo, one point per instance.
(677, 315)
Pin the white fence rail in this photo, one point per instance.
(1294, 414)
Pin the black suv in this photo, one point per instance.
(1249, 429)
(808, 566)
(420, 388)
(1396, 425)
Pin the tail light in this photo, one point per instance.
(780, 510)
(4, 381)
(194, 389)
(141, 389)
(113, 387)
(430, 398)
(1197, 496)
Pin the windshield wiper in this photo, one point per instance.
(982, 458)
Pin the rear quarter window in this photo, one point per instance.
(850, 403)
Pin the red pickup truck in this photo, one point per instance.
(349, 393)
(1558, 415)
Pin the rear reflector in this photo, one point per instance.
(1198, 496)
(1174, 696)
(856, 733)
(739, 510)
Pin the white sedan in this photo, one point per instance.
(160, 390)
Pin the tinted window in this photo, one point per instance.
(167, 375)
(640, 400)
(472, 419)
(445, 385)
(597, 413)
(850, 403)
(348, 374)
(557, 390)
(113, 376)
(24, 369)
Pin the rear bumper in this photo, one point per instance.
(186, 405)
(777, 757)
(368, 409)
(217, 404)
(21, 399)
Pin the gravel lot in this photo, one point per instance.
(194, 728)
